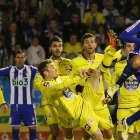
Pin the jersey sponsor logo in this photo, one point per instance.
(90, 121)
(131, 84)
(87, 127)
(50, 116)
(68, 93)
(21, 82)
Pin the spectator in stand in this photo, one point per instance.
(23, 19)
(75, 26)
(110, 14)
(120, 27)
(101, 31)
(82, 6)
(132, 16)
(47, 17)
(49, 33)
(35, 53)
(32, 29)
(13, 36)
(25, 4)
(73, 47)
(93, 18)
(64, 8)
(3, 53)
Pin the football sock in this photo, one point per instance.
(33, 134)
(15, 134)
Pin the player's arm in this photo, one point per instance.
(38, 81)
(2, 102)
(107, 77)
(63, 85)
(4, 71)
(127, 35)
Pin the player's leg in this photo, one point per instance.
(66, 123)
(30, 120)
(86, 136)
(105, 122)
(51, 116)
(15, 121)
(120, 135)
(33, 134)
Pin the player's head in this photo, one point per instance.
(56, 47)
(128, 47)
(89, 44)
(47, 70)
(19, 58)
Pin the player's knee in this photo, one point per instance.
(120, 135)
(55, 133)
(136, 61)
(96, 72)
(69, 136)
(86, 136)
(32, 128)
(107, 134)
(15, 128)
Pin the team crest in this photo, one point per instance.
(26, 73)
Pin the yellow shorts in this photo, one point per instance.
(105, 122)
(89, 94)
(88, 120)
(52, 116)
(122, 113)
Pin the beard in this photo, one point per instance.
(56, 56)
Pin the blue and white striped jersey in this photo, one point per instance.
(21, 83)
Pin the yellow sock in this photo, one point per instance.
(70, 139)
(50, 137)
(108, 58)
(110, 139)
(88, 139)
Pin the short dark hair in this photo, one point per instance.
(85, 36)
(55, 39)
(34, 36)
(19, 51)
(43, 66)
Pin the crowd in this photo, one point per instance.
(29, 25)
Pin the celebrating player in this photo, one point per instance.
(90, 59)
(21, 99)
(52, 115)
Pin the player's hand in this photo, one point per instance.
(5, 108)
(106, 101)
(89, 71)
(82, 73)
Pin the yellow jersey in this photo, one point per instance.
(57, 94)
(2, 101)
(80, 63)
(130, 90)
(63, 67)
(73, 49)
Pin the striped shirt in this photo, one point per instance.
(21, 83)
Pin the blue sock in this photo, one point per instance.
(33, 134)
(128, 71)
(15, 134)
(136, 116)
